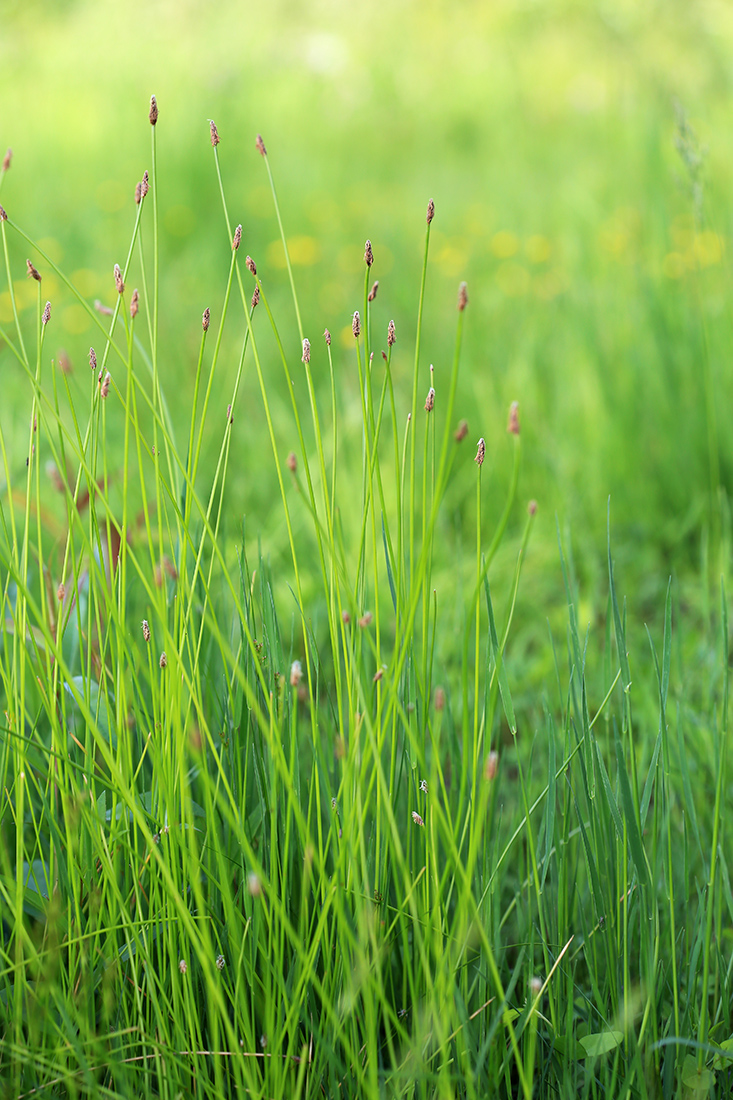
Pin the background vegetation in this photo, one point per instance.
(579, 156)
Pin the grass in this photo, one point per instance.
(288, 806)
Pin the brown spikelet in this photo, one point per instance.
(146, 630)
(292, 463)
(513, 425)
(102, 308)
(306, 357)
(356, 324)
(61, 592)
(46, 314)
(205, 320)
(462, 297)
(138, 193)
(327, 337)
(3, 215)
(261, 145)
(92, 359)
(7, 159)
(104, 387)
(491, 766)
(461, 431)
(145, 184)
(480, 452)
(431, 211)
(163, 660)
(251, 265)
(153, 116)
(256, 297)
(532, 508)
(119, 283)
(430, 400)
(368, 254)
(373, 291)
(439, 698)
(134, 303)
(32, 271)
(215, 139)
(390, 334)
(237, 238)
(64, 362)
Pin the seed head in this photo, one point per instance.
(327, 337)
(431, 211)
(356, 325)
(306, 357)
(146, 630)
(134, 303)
(261, 145)
(461, 431)
(373, 291)
(61, 592)
(390, 334)
(513, 425)
(417, 819)
(220, 960)
(3, 215)
(64, 362)
(105, 384)
(368, 254)
(345, 618)
(377, 675)
(480, 452)
(462, 297)
(32, 271)
(251, 265)
(365, 620)
(92, 359)
(424, 786)
(138, 193)
(532, 508)
(255, 297)
(439, 698)
(296, 673)
(230, 418)
(7, 159)
(153, 116)
(214, 133)
(430, 400)
(292, 463)
(254, 885)
(491, 765)
(163, 660)
(145, 185)
(183, 966)
(46, 314)
(118, 279)
(237, 238)
(205, 320)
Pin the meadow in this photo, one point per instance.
(365, 691)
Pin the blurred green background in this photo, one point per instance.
(545, 132)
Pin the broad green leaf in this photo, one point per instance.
(601, 1042)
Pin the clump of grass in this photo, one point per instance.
(285, 830)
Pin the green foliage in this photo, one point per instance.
(282, 810)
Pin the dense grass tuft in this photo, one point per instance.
(277, 815)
